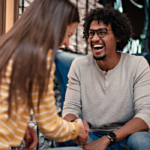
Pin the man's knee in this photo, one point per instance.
(139, 141)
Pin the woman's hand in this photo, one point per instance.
(30, 138)
(83, 136)
(82, 130)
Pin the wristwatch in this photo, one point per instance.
(112, 137)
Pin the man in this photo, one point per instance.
(111, 88)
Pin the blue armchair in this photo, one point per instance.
(63, 62)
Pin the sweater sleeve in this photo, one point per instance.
(49, 123)
(141, 89)
(72, 104)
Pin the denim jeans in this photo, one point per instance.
(136, 141)
(64, 148)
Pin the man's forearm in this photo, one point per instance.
(134, 125)
(70, 117)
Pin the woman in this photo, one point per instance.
(27, 54)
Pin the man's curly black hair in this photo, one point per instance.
(120, 24)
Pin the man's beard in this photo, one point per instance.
(99, 58)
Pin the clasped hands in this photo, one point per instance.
(83, 135)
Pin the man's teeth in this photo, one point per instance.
(95, 46)
(98, 47)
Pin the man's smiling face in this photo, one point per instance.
(104, 44)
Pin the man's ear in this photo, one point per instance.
(118, 40)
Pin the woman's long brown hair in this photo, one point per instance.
(41, 27)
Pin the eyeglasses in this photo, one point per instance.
(100, 32)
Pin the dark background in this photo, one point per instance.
(135, 14)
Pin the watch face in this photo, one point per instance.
(112, 137)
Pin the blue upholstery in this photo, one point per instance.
(63, 62)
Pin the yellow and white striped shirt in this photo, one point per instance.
(12, 129)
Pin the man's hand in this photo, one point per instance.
(100, 144)
(30, 138)
(82, 139)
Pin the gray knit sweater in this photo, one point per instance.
(110, 99)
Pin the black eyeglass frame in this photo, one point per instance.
(97, 32)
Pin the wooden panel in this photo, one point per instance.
(2, 16)
(12, 13)
(9, 14)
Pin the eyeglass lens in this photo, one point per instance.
(101, 32)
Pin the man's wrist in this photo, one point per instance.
(69, 117)
(106, 139)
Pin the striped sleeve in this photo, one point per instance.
(49, 123)
(12, 128)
